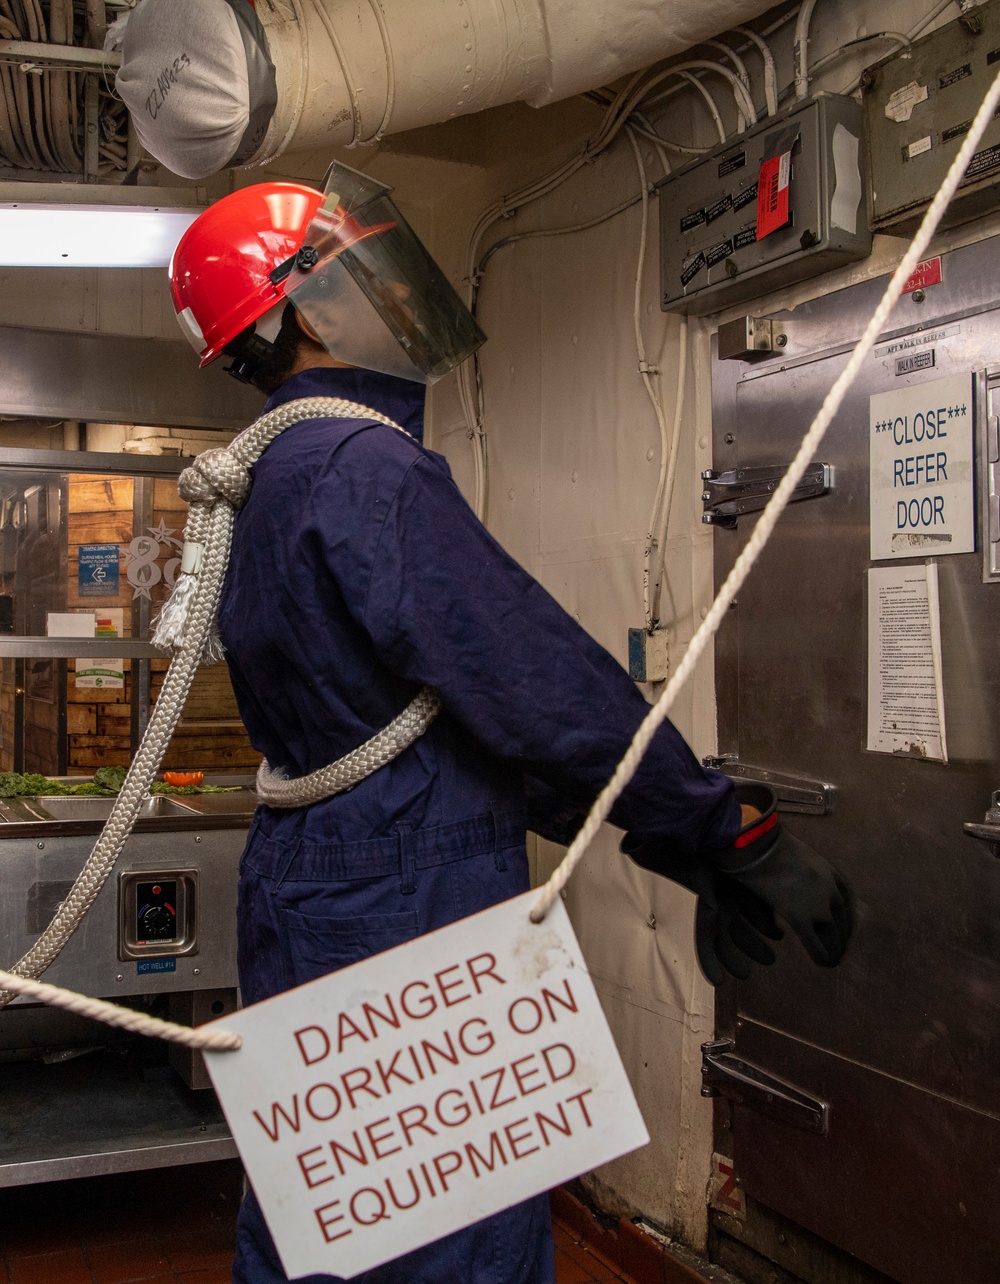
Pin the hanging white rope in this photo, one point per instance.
(769, 518)
(209, 527)
(121, 1018)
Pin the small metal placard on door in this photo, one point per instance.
(916, 361)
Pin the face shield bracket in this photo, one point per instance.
(303, 260)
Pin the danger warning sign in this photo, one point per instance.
(772, 194)
(408, 1096)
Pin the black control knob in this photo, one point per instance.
(157, 921)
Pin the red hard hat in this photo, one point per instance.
(220, 273)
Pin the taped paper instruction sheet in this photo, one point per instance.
(905, 685)
(385, 1105)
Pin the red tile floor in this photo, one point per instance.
(177, 1224)
(167, 1225)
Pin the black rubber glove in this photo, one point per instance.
(785, 873)
(732, 925)
(743, 889)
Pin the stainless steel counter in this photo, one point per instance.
(73, 1100)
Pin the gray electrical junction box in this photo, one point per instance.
(714, 249)
(919, 104)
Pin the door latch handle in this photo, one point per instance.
(989, 830)
(794, 793)
(728, 496)
(724, 1074)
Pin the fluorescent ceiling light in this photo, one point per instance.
(90, 236)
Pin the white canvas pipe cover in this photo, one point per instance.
(347, 74)
(198, 81)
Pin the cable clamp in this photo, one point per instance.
(646, 368)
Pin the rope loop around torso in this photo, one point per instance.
(276, 790)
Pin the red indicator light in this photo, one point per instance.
(156, 889)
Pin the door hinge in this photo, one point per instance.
(794, 793)
(724, 1074)
(728, 496)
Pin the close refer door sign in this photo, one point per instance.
(921, 452)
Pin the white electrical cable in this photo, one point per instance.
(564, 230)
(345, 70)
(469, 375)
(618, 112)
(769, 517)
(647, 373)
(642, 126)
(801, 48)
(660, 530)
(741, 71)
(896, 37)
(770, 69)
(390, 72)
(743, 100)
(710, 103)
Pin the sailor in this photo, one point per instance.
(359, 578)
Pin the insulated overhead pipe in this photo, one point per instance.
(349, 72)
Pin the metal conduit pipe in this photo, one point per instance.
(347, 74)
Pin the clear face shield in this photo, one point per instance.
(370, 291)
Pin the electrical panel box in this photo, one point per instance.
(919, 104)
(781, 203)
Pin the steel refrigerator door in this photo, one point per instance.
(903, 1040)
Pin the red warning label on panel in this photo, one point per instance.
(926, 273)
(772, 194)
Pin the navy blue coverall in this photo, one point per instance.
(358, 575)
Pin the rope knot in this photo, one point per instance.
(215, 474)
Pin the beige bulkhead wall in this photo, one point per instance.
(573, 464)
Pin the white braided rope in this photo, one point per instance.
(122, 1018)
(274, 788)
(626, 769)
(215, 484)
